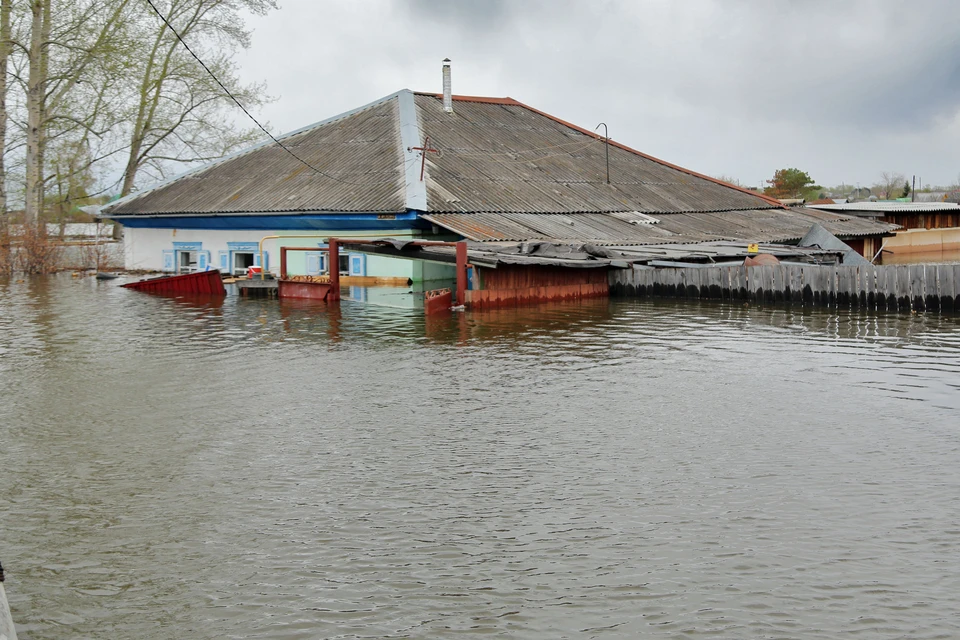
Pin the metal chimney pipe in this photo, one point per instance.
(447, 92)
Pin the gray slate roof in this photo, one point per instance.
(497, 155)
(505, 172)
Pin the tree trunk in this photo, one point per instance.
(5, 8)
(36, 85)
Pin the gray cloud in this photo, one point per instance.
(461, 14)
(739, 87)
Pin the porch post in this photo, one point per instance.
(461, 272)
(333, 261)
(283, 263)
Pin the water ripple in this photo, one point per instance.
(245, 468)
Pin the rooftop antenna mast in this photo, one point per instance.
(606, 144)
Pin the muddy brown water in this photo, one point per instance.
(248, 469)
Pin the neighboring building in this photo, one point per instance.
(925, 226)
(495, 170)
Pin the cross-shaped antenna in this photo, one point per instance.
(424, 150)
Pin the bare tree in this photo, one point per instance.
(890, 185)
(36, 89)
(179, 112)
(99, 80)
(6, 8)
(729, 180)
(68, 53)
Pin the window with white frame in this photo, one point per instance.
(187, 261)
(242, 260)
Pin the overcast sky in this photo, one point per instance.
(841, 89)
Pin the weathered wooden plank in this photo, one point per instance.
(853, 287)
(868, 286)
(820, 286)
(831, 285)
(843, 286)
(757, 279)
(903, 287)
(796, 284)
(881, 290)
(695, 282)
(892, 288)
(916, 289)
(856, 286)
(740, 283)
(806, 285)
(948, 291)
(755, 283)
(673, 278)
(955, 283)
(931, 293)
(709, 282)
(777, 283)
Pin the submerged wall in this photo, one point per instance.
(511, 285)
(923, 241)
(153, 249)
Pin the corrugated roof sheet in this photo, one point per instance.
(496, 155)
(360, 150)
(758, 225)
(884, 207)
(590, 256)
(501, 155)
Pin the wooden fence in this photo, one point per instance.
(896, 287)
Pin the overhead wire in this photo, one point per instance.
(478, 154)
(244, 109)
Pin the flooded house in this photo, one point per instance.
(923, 227)
(422, 166)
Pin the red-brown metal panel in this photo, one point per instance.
(303, 290)
(333, 253)
(512, 285)
(204, 283)
(437, 301)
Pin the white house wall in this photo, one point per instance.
(144, 248)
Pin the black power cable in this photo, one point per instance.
(244, 109)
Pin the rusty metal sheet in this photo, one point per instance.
(763, 225)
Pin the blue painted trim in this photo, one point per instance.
(187, 246)
(321, 222)
(357, 265)
(243, 246)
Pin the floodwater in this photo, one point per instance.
(631, 469)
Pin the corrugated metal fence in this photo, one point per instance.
(904, 287)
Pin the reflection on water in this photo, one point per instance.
(249, 468)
